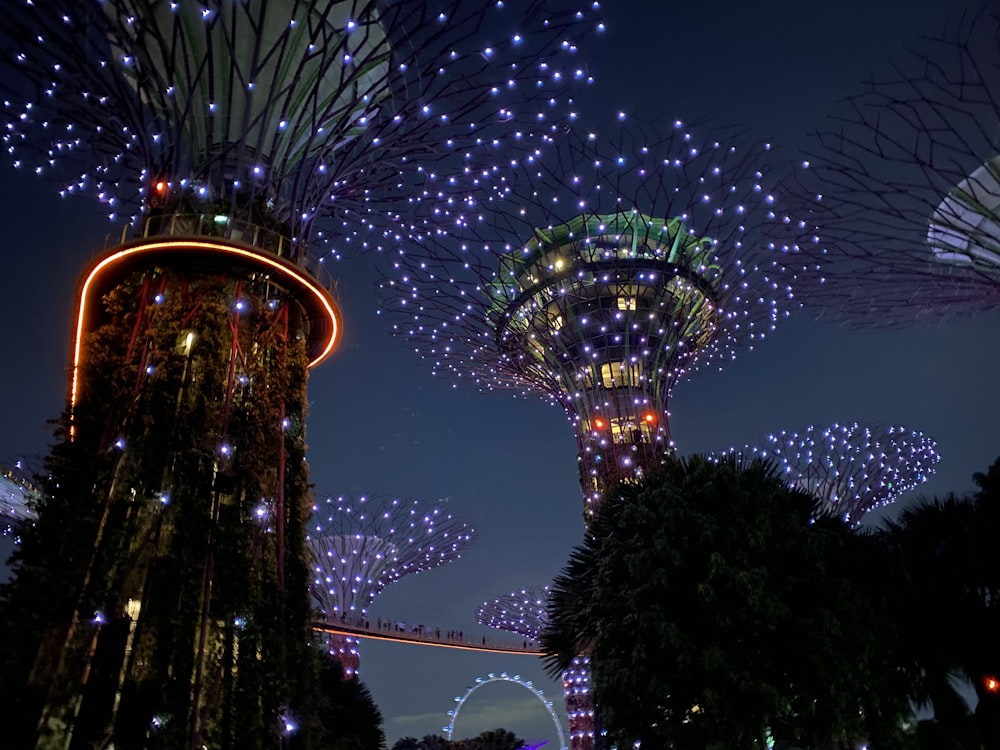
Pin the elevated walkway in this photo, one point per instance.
(423, 635)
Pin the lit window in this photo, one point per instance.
(621, 374)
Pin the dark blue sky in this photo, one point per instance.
(380, 423)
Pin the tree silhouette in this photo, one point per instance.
(720, 611)
(347, 712)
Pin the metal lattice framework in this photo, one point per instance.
(361, 545)
(610, 267)
(905, 188)
(521, 612)
(851, 468)
(524, 612)
(287, 110)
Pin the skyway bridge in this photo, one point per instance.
(396, 631)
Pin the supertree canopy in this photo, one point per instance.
(606, 269)
(524, 612)
(905, 187)
(360, 545)
(150, 606)
(850, 468)
(521, 612)
(277, 112)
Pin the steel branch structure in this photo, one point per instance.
(280, 112)
(227, 132)
(850, 468)
(905, 188)
(524, 612)
(609, 267)
(361, 545)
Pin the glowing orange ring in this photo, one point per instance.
(326, 302)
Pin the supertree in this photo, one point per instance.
(606, 270)
(524, 612)
(360, 545)
(850, 468)
(19, 497)
(150, 607)
(905, 187)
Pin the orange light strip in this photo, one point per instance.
(193, 245)
(376, 636)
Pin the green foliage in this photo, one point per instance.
(716, 608)
(144, 511)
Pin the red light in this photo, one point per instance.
(599, 424)
(992, 684)
(650, 418)
(160, 187)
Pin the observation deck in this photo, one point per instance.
(220, 242)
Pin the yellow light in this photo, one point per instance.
(160, 187)
(650, 418)
(992, 684)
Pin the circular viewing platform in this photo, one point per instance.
(218, 242)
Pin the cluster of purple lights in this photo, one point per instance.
(334, 114)
(851, 468)
(521, 612)
(361, 545)
(610, 266)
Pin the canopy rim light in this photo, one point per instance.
(321, 308)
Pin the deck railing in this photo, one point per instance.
(262, 239)
(378, 628)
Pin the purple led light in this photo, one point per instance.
(851, 468)
(361, 545)
(611, 266)
(325, 107)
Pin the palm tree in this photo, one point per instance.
(717, 608)
(943, 587)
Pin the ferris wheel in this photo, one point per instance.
(504, 677)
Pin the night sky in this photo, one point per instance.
(380, 423)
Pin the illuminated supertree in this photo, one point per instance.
(851, 468)
(150, 607)
(609, 268)
(360, 545)
(19, 498)
(905, 188)
(524, 612)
